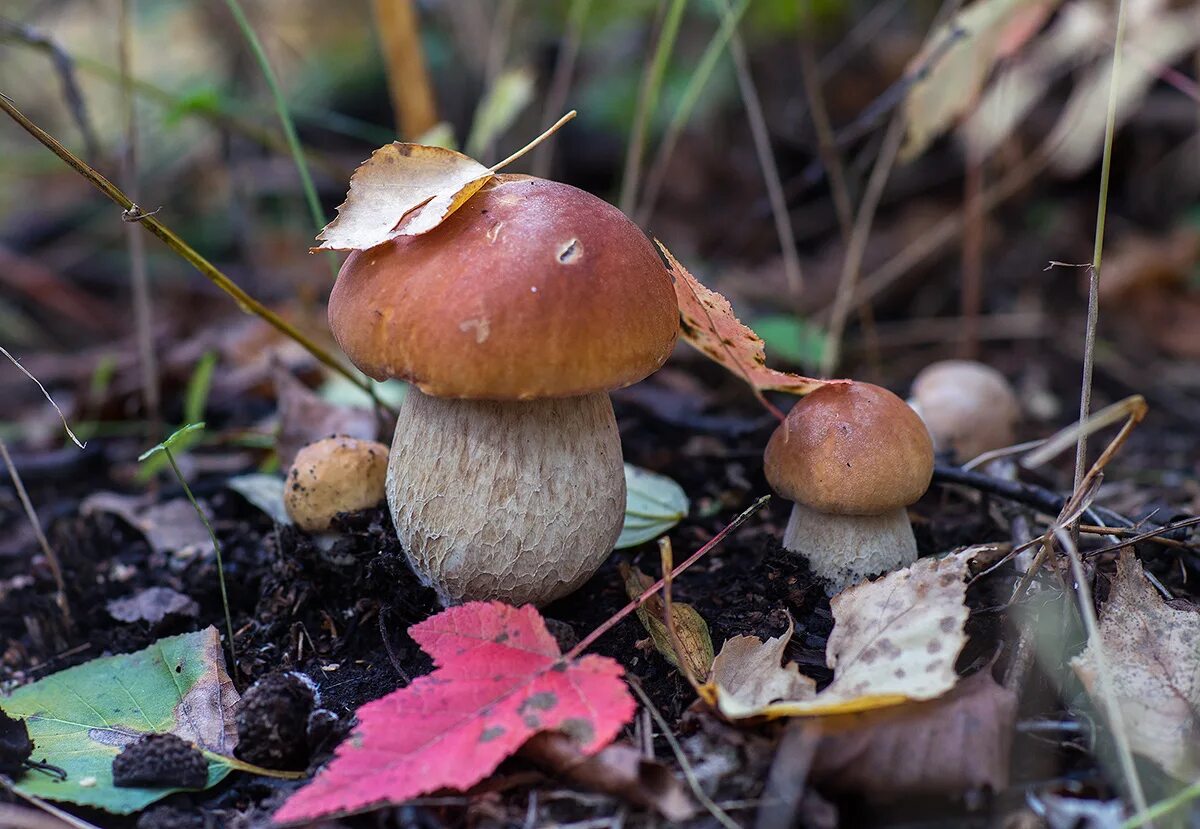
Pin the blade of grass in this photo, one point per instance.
(647, 103)
(1133, 783)
(285, 120)
(165, 448)
(133, 213)
(697, 81)
(1164, 807)
(766, 158)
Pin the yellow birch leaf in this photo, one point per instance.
(402, 190)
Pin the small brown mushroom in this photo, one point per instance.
(337, 474)
(968, 407)
(851, 456)
(513, 319)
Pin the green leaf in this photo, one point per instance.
(180, 440)
(81, 718)
(262, 491)
(653, 504)
(792, 339)
(196, 399)
(507, 98)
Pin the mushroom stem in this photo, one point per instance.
(516, 501)
(846, 549)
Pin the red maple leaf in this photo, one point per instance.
(501, 678)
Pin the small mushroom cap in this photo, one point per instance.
(968, 407)
(850, 449)
(337, 474)
(531, 289)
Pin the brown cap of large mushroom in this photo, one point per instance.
(850, 449)
(531, 289)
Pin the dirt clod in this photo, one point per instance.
(273, 721)
(160, 760)
(15, 745)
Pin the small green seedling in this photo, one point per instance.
(183, 437)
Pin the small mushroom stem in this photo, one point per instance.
(516, 501)
(846, 549)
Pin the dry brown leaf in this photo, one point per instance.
(957, 58)
(618, 769)
(958, 742)
(691, 631)
(894, 639)
(402, 190)
(707, 322)
(1153, 654)
(305, 417)
(170, 527)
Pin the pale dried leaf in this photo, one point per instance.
(152, 605)
(894, 639)
(170, 527)
(959, 56)
(1151, 46)
(1153, 654)
(402, 190)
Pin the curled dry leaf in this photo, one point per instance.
(956, 743)
(707, 321)
(169, 527)
(619, 769)
(691, 631)
(304, 418)
(402, 190)
(1153, 653)
(957, 58)
(893, 640)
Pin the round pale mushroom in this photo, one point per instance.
(513, 319)
(337, 474)
(851, 457)
(968, 407)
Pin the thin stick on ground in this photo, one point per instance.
(647, 104)
(51, 557)
(689, 774)
(612, 621)
(827, 148)
(135, 241)
(560, 81)
(766, 158)
(46, 806)
(134, 213)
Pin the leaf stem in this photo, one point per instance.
(250, 768)
(553, 128)
(133, 213)
(187, 490)
(612, 621)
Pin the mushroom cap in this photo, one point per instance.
(531, 289)
(850, 449)
(968, 407)
(336, 474)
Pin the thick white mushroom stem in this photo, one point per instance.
(515, 501)
(846, 549)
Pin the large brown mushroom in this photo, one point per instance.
(851, 456)
(513, 319)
